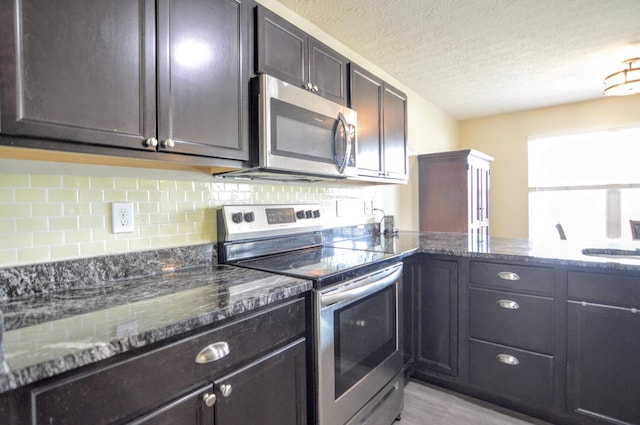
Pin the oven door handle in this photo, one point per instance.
(368, 286)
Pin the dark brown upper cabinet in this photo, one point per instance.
(142, 75)
(382, 126)
(289, 54)
(203, 77)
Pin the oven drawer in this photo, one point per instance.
(508, 277)
(512, 373)
(523, 321)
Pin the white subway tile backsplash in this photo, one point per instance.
(47, 217)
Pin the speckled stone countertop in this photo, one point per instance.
(60, 316)
(56, 331)
(500, 249)
(563, 253)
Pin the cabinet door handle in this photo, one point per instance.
(508, 304)
(507, 359)
(226, 389)
(169, 143)
(508, 276)
(151, 142)
(212, 352)
(209, 399)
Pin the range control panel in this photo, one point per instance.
(241, 222)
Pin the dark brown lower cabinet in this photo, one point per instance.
(512, 373)
(558, 343)
(261, 381)
(603, 364)
(433, 285)
(270, 391)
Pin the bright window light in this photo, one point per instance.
(588, 183)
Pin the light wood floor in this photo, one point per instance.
(429, 405)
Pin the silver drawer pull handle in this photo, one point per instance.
(508, 304)
(507, 359)
(508, 276)
(213, 352)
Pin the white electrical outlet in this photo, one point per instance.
(368, 207)
(122, 214)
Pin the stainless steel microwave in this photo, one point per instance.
(299, 135)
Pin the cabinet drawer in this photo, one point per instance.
(516, 374)
(604, 288)
(144, 382)
(532, 280)
(523, 321)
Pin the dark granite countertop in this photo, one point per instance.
(53, 325)
(54, 332)
(560, 252)
(501, 249)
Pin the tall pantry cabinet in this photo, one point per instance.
(454, 192)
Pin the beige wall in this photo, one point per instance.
(505, 138)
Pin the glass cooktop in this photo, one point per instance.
(324, 265)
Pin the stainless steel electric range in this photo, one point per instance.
(357, 361)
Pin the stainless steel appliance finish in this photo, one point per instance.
(357, 342)
(300, 135)
(355, 299)
(243, 222)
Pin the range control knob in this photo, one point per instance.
(236, 217)
(316, 213)
(249, 217)
(300, 214)
(308, 214)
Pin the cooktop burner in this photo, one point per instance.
(321, 264)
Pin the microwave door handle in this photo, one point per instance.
(347, 145)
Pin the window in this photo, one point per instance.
(588, 183)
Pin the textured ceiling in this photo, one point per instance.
(475, 58)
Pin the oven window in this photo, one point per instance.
(365, 335)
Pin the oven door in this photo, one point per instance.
(301, 132)
(357, 345)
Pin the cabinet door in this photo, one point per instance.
(603, 364)
(328, 71)
(282, 48)
(395, 133)
(188, 410)
(437, 316)
(270, 391)
(366, 98)
(202, 77)
(78, 71)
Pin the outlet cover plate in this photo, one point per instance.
(122, 215)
